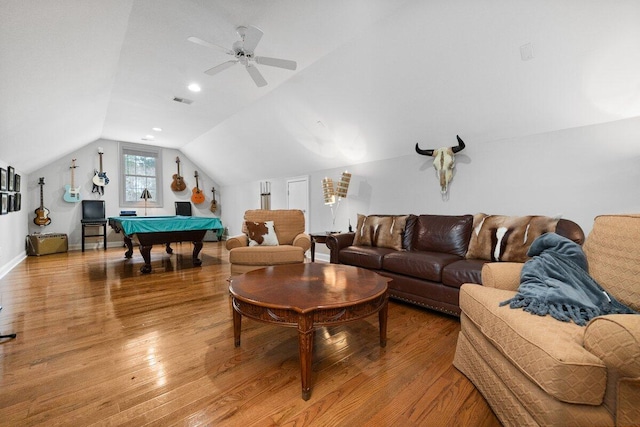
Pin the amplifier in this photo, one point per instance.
(45, 244)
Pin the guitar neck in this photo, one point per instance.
(41, 197)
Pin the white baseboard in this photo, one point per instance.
(11, 264)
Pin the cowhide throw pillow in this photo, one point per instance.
(261, 233)
(383, 231)
(506, 238)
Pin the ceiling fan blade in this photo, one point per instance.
(252, 36)
(221, 67)
(275, 62)
(256, 76)
(205, 43)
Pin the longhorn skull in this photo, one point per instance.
(443, 161)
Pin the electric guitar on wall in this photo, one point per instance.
(178, 181)
(71, 192)
(42, 213)
(214, 204)
(197, 195)
(100, 177)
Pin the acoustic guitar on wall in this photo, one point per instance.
(197, 195)
(71, 192)
(214, 204)
(178, 183)
(100, 177)
(42, 213)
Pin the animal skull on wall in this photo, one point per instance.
(444, 162)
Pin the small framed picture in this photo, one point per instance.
(3, 179)
(11, 177)
(16, 184)
(17, 202)
(11, 203)
(4, 203)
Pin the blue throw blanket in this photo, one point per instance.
(556, 281)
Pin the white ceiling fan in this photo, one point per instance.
(243, 51)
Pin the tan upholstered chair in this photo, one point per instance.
(293, 243)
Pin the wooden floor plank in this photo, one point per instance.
(99, 343)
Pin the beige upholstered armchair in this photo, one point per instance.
(257, 248)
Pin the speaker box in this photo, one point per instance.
(45, 244)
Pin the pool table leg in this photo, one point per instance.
(129, 244)
(145, 251)
(197, 247)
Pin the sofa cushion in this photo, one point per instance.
(506, 238)
(383, 231)
(463, 271)
(266, 255)
(442, 233)
(548, 351)
(261, 233)
(363, 256)
(422, 265)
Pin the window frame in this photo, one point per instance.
(156, 200)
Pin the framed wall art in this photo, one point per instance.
(17, 202)
(11, 203)
(10, 177)
(4, 203)
(3, 179)
(16, 184)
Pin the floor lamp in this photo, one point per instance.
(333, 196)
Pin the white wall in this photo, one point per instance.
(13, 229)
(577, 173)
(65, 216)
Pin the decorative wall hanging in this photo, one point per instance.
(11, 178)
(3, 179)
(265, 195)
(444, 162)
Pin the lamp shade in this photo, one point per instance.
(145, 194)
(328, 192)
(343, 185)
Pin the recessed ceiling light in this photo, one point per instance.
(156, 129)
(194, 87)
(148, 138)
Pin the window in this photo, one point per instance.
(140, 168)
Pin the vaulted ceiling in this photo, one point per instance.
(373, 77)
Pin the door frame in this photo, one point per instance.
(307, 214)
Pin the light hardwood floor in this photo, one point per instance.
(99, 343)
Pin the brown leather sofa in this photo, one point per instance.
(434, 258)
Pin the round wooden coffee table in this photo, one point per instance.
(308, 296)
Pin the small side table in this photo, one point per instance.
(320, 237)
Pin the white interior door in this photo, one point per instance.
(298, 196)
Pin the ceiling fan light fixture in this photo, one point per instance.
(243, 51)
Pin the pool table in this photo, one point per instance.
(154, 230)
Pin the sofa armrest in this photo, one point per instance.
(336, 242)
(237, 241)
(502, 275)
(615, 339)
(303, 241)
